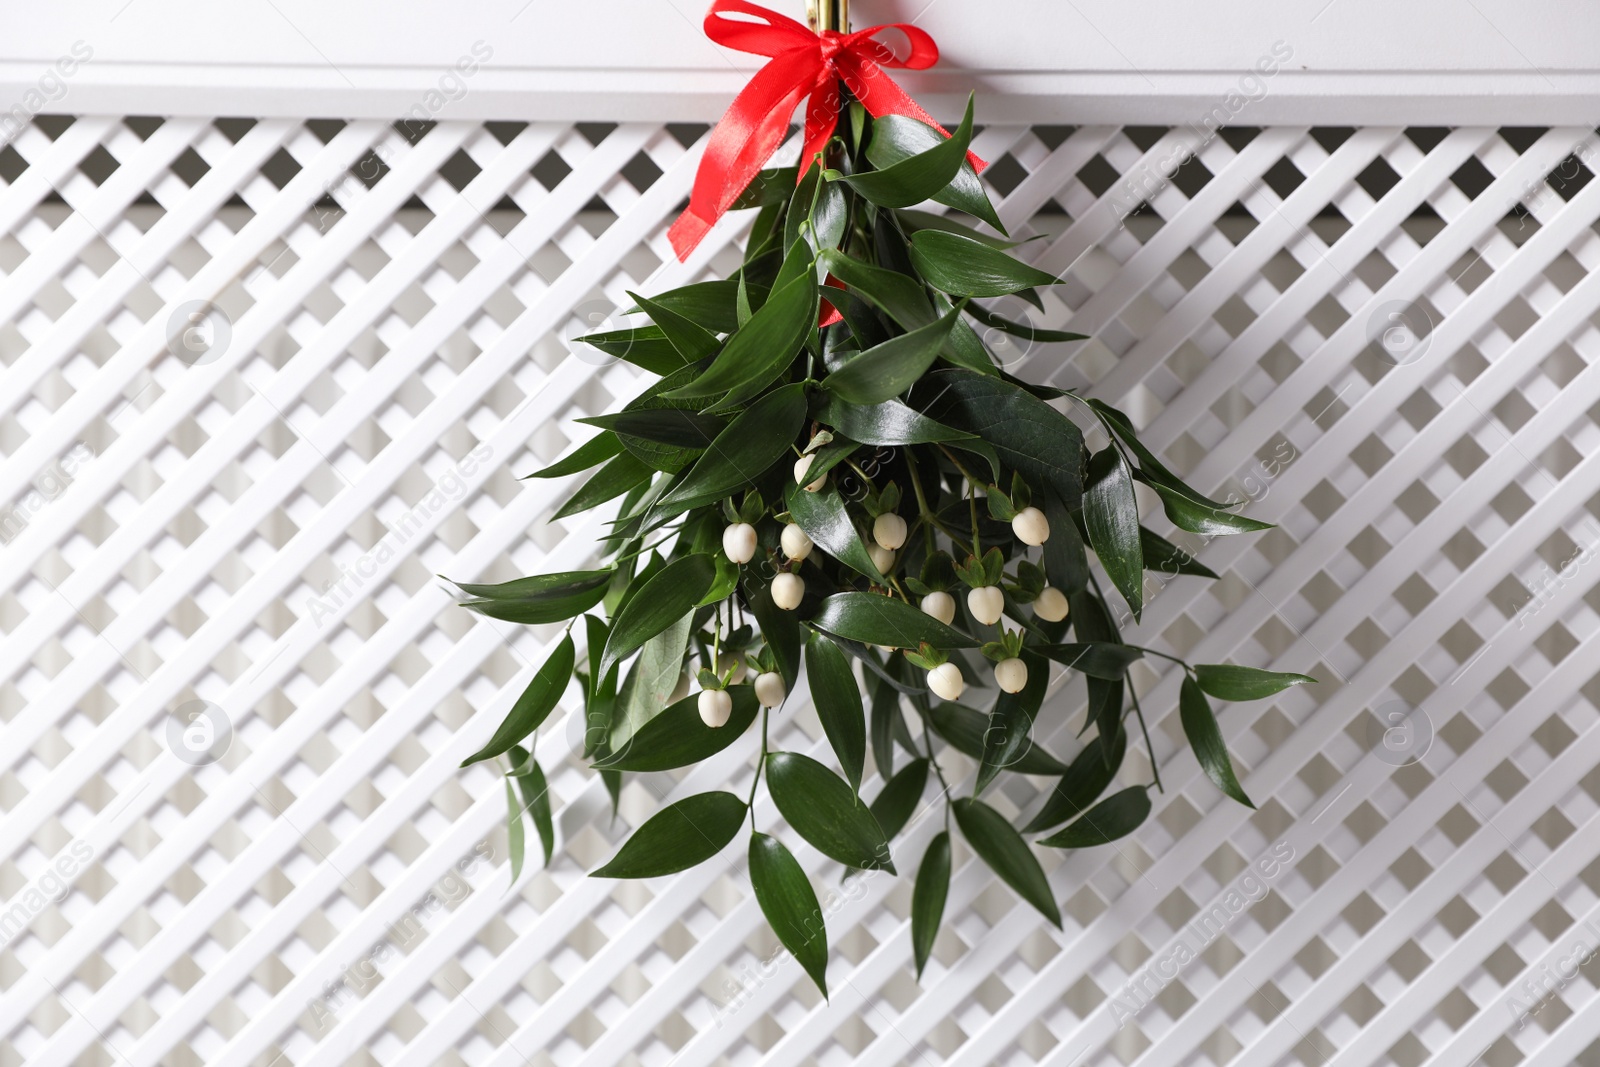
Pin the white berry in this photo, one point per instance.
(1051, 604)
(1011, 675)
(739, 542)
(889, 531)
(940, 605)
(882, 558)
(734, 662)
(801, 466)
(680, 690)
(715, 707)
(787, 589)
(770, 689)
(946, 682)
(797, 545)
(986, 603)
(1031, 527)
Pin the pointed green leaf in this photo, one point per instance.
(999, 845)
(753, 441)
(651, 681)
(678, 837)
(897, 295)
(533, 706)
(1228, 682)
(928, 897)
(1205, 737)
(693, 341)
(1118, 815)
(1111, 515)
(1030, 436)
(885, 708)
(514, 832)
(710, 304)
(871, 619)
(1066, 565)
(766, 344)
(915, 178)
(646, 347)
(1008, 737)
(658, 603)
(961, 266)
(1017, 329)
(1164, 557)
(1090, 773)
(1197, 518)
(897, 801)
(597, 449)
(964, 728)
(1100, 659)
(536, 801)
(677, 737)
(825, 811)
(609, 482)
(790, 905)
(542, 598)
(887, 423)
(780, 629)
(823, 517)
(885, 371)
(837, 699)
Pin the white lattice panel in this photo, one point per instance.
(1385, 338)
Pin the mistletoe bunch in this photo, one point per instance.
(834, 480)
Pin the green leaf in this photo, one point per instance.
(609, 482)
(1151, 467)
(678, 738)
(888, 423)
(514, 832)
(678, 837)
(885, 708)
(674, 426)
(999, 845)
(597, 449)
(964, 727)
(1186, 514)
(771, 186)
(693, 341)
(657, 604)
(1090, 773)
(826, 812)
(1030, 436)
(536, 801)
(653, 678)
(1111, 515)
(1205, 737)
(533, 706)
(897, 801)
(837, 699)
(961, 266)
(1100, 659)
(898, 295)
(928, 897)
(1009, 735)
(542, 598)
(1164, 557)
(1118, 815)
(915, 178)
(646, 347)
(790, 905)
(911, 221)
(780, 629)
(896, 138)
(1065, 562)
(1228, 682)
(753, 441)
(766, 344)
(1017, 329)
(710, 304)
(885, 371)
(871, 619)
(823, 517)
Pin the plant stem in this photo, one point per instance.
(760, 763)
(1139, 711)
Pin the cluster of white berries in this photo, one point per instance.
(986, 603)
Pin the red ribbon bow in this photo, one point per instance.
(803, 64)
